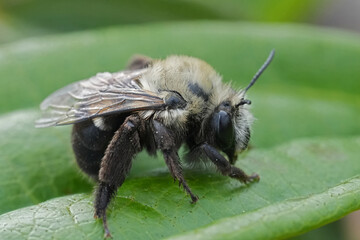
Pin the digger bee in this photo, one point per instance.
(156, 105)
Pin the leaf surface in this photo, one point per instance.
(300, 188)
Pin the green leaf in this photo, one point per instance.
(285, 218)
(36, 164)
(301, 188)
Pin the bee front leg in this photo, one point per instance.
(165, 140)
(225, 167)
(115, 165)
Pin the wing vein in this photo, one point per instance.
(103, 94)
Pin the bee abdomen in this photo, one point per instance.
(89, 143)
(88, 160)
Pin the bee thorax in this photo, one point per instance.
(172, 118)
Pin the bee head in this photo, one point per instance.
(231, 120)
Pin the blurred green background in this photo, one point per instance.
(25, 19)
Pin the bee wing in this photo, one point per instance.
(100, 95)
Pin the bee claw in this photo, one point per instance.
(194, 199)
(107, 234)
(253, 178)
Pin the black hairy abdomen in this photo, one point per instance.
(90, 142)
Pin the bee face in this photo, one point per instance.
(228, 128)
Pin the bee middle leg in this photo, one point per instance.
(165, 141)
(116, 164)
(225, 167)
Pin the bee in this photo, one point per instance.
(157, 105)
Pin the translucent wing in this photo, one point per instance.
(100, 95)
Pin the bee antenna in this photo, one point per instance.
(261, 70)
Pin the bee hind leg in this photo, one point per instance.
(165, 141)
(225, 167)
(115, 165)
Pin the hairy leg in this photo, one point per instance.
(225, 167)
(166, 142)
(115, 165)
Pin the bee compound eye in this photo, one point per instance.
(224, 130)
